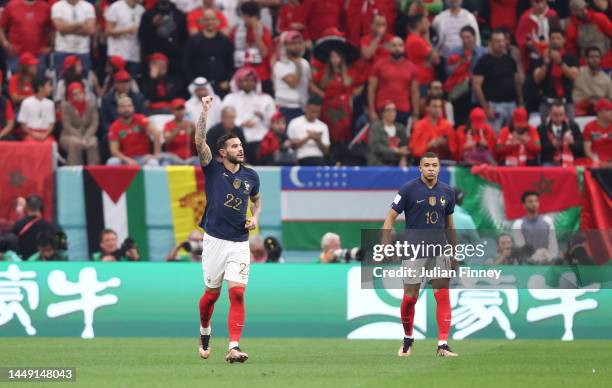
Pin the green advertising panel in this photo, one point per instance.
(161, 299)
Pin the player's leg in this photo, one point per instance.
(237, 276)
(443, 309)
(213, 267)
(412, 284)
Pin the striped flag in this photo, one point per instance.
(115, 199)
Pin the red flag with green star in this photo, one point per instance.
(558, 187)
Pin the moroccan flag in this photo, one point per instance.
(26, 169)
(115, 199)
(596, 220)
(558, 187)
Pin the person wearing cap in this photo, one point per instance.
(275, 148)
(497, 82)
(291, 76)
(518, 144)
(25, 26)
(198, 89)
(196, 22)
(37, 113)
(253, 44)
(129, 138)
(75, 23)
(591, 84)
(310, 136)
(122, 23)
(158, 86)
(79, 126)
(20, 83)
(163, 28)
(179, 136)
(253, 109)
(210, 54)
(114, 64)
(225, 126)
(587, 28)
(598, 135)
(73, 72)
(476, 140)
(394, 79)
(388, 145)
(433, 133)
(562, 143)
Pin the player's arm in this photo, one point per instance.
(387, 228)
(204, 152)
(251, 222)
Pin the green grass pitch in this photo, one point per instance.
(169, 362)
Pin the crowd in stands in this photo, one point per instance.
(311, 82)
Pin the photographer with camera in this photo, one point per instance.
(192, 247)
(332, 251)
(110, 251)
(51, 247)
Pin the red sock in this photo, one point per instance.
(207, 305)
(407, 313)
(235, 321)
(443, 313)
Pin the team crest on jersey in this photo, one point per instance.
(237, 183)
(442, 200)
(432, 201)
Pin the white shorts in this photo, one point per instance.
(440, 265)
(224, 260)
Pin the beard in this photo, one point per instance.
(397, 56)
(234, 159)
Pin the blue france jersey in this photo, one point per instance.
(227, 199)
(424, 208)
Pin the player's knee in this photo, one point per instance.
(236, 295)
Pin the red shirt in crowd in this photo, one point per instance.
(132, 137)
(572, 33)
(418, 51)
(291, 17)
(263, 69)
(29, 26)
(515, 153)
(365, 65)
(504, 14)
(476, 136)
(394, 79)
(600, 138)
(322, 14)
(359, 15)
(425, 131)
(181, 145)
(195, 20)
(14, 89)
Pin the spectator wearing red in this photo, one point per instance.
(591, 84)
(433, 133)
(28, 23)
(79, 127)
(598, 135)
(292, 18)
(518, 144)
(376, 45)
(115, 64)
(562, 143)
(587, 28)
(7, 117)
(37, 113)
(321, 15)
(359, 15)
(275, 147)
(159, 87)
(503, 14)
(195, 18)
(476, 140)
(394, 79)
(75, 23)
(436, 89)
(179, 136)
(129, 137)
(420, 52)
(20, 83)
(533, 30)
(253, 44)
(74, 72)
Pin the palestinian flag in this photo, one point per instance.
(115, 199)
(493, 194)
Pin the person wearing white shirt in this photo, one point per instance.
(291, 76)
(200, 88)
(449, 23)
(253, 109)
(309, 136)
(122, 22)
(37, 113)
(75, 24)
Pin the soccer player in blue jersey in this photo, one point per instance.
(428, 205)
(225, 248)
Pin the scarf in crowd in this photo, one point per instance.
(79, 106)
(563, 154)
(243, 52)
